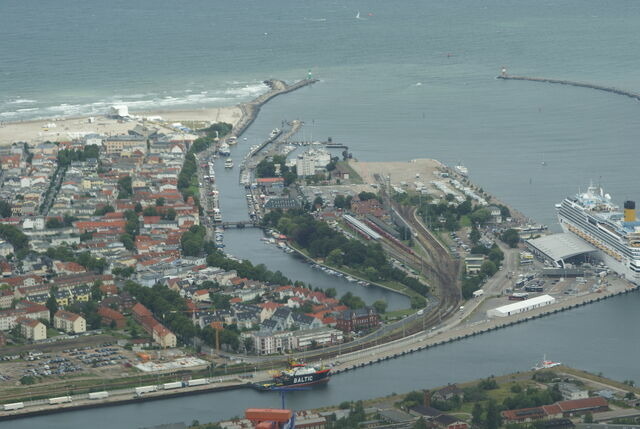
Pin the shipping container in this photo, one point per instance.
(197, 382)
(59, 400)
(174, 385)
(98, 395)
(145, 389)
(14, 406)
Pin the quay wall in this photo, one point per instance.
(116, 399)
(422, 341)
(349, 361)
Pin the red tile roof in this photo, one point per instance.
(582, 404)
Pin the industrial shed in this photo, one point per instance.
(521, 306)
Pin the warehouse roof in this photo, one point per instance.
(561, 246)
(527, 303)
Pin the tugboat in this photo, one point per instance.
(297, 374)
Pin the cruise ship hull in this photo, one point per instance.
(612, 248)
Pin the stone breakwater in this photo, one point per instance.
(611, 89)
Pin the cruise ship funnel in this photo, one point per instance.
(629, 211)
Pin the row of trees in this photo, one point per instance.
(320, 241)
(67, 156)
(188, 178)
(244, 268)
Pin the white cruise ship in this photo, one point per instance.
(595, 219)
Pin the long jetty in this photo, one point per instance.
(251, 109)
(611, 89)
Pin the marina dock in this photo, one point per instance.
(611, 89)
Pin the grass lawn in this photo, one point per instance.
(354, 177)
(52, 333)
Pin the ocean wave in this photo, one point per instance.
(136, 102)
(21, 101)
(247, 90)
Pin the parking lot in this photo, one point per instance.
(102, 360)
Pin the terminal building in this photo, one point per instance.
(560, 249)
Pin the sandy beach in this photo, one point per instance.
(65, 129)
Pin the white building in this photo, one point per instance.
(119, 110)
(311, 161)
(521, 306)
(5, 248)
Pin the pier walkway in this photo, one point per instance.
(611, 89)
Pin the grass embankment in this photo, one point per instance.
(354, 178)
(395, 286)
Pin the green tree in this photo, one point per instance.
(588, 418)
(493, 418)
(170, 214)
(474, 236)
(420, 424)
(380, 306)
(160, 202)
(480, 216)
(476, 415)
(124, 188)
(5, 209)
(340, 202)
(364, 196)
(318, 201)
(54, 223)
(488, 268)
(335, 258)
(127, 242)
(52, 304)
(511, 237)
(331, 292)
(150, 211)
(104, 210)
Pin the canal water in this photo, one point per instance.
(601, 337)
(246, 244)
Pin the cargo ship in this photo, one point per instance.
(296, 375)
(593, 217)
